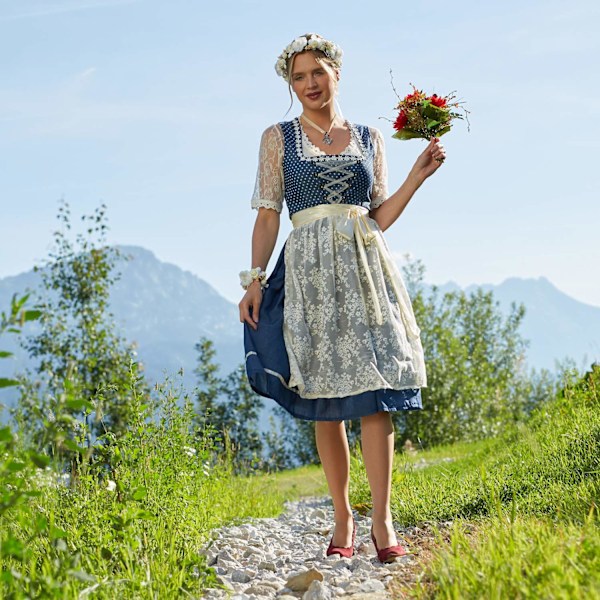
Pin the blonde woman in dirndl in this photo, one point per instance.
(331, 334)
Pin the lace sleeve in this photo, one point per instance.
(268, 191)
(379, 193)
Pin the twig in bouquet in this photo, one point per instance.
(393, 87)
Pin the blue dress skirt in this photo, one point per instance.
(268, 368)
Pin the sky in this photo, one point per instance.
(156, 109)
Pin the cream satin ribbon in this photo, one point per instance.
(357, 225)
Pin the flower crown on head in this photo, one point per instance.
(310, 41)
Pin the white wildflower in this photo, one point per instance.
(111, 486)
(189, 451)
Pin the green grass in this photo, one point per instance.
(133, 531)
(531, 496)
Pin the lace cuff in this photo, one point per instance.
(379, 192)
(268, 190)
(264, 203)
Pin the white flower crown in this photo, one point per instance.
(310, 41)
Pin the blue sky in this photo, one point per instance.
(156, 109)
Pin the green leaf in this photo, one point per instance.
(432, 123)
(140, 493)
(406, 134)
(41, 524)
(57, 533)
(144, 514)
(435, 112)
(32, 315)
(443, 131)
(14, 466)
(71, 445)
(12, 547)
(39, 460)
(7, 382)
(79, 404)
(4, 354)
(6, 434)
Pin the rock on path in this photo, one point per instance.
(284, 558)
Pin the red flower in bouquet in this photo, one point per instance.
(426, 116)
(437, 101)
(401, 121)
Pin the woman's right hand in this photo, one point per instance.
(250, 305)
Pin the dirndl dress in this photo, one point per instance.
(337, 337)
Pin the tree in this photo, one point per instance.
(475, 361)
(77, 345)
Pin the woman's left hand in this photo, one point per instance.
(430, 160)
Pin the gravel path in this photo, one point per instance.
(284, 558)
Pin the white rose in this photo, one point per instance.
(245, 278)
(299, 44)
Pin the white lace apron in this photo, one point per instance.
(349, 326)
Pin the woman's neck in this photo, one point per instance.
(321, 117)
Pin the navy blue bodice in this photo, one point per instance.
(326, 179)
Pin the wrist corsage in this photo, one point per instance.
(255, 274)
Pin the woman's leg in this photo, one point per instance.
(332, 445)
(377, 436)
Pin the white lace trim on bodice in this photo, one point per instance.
(269, 186)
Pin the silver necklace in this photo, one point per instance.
(326, 138)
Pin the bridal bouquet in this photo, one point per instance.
(426, 116)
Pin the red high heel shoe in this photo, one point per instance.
(389, 554)
(346, 552)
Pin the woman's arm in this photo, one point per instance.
(264, 236)
(426, 164)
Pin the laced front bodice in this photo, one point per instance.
(293, 169)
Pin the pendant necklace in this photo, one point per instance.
(326, 139)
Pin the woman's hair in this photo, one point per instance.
(320, 56)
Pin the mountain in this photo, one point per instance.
(166, 310)
(162, 308)
(556, 325)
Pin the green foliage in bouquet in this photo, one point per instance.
(424, 116)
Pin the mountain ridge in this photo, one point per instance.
(166, 310)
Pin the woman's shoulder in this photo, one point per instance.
(272, 133)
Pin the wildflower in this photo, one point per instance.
(111, 486)
(189, 451)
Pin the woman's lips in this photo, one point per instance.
(313, 96)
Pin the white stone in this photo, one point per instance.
(371, 585)
(317, 591)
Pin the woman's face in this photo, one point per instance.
(314, 84)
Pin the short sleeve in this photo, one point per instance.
(379, 192)
(268, 190)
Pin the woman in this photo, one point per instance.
(344, 344)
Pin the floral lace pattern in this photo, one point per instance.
(334, 344)
(269, 188)
(379, 193)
